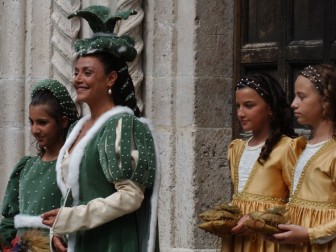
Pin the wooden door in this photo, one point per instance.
(281, 37)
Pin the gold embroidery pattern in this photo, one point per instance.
(293, 197)
(236, 167)
(311, 204)
(256, 197)
(250, 196)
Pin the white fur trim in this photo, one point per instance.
(78, 151)
(29, 221)
(68, 143)
(156, 190)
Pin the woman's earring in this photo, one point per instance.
(109, 91)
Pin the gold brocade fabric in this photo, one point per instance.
(313, 203)
(267, 186)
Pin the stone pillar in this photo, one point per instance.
(188, 80)
(12, 86)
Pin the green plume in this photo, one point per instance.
(102, 22)
(100, 17)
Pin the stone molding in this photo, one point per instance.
(64, 34)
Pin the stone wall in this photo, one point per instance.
(185, 73)
(188, 79)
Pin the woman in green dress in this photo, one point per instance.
(32, 188)
(107, 169)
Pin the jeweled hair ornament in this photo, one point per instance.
(313, 75)
(102, 22)
(61, 94)
(247, 82)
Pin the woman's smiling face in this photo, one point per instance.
(90, 81)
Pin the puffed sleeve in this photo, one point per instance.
(127, 151)
(10, 205)
(127, 199)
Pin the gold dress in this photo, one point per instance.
(267, 186)
(313, 203)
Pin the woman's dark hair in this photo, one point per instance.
(123, 92)
(45, 97)
(281, 119)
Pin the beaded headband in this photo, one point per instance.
(61, 94)
(102, 23)
(313, 75)
(246, 82)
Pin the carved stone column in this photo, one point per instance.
(64, 34)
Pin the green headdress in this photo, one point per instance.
(102, 22)
(61, 94)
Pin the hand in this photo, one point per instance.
(49, 217)
(58, 244)
(240, 228)
(292, 234)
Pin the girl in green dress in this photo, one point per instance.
(32, 188)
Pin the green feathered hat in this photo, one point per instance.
(102, 22)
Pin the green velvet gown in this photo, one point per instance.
(100, 165)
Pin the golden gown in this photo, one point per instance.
(313, 203)
(267, 186)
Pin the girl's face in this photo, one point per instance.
(252, 111)
(91, 82)
(307, 103)
(44, 128)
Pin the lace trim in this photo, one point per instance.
(236, 169)
(293, 193)
(246, 164)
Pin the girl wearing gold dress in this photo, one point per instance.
(259, 166)
(312, 204)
